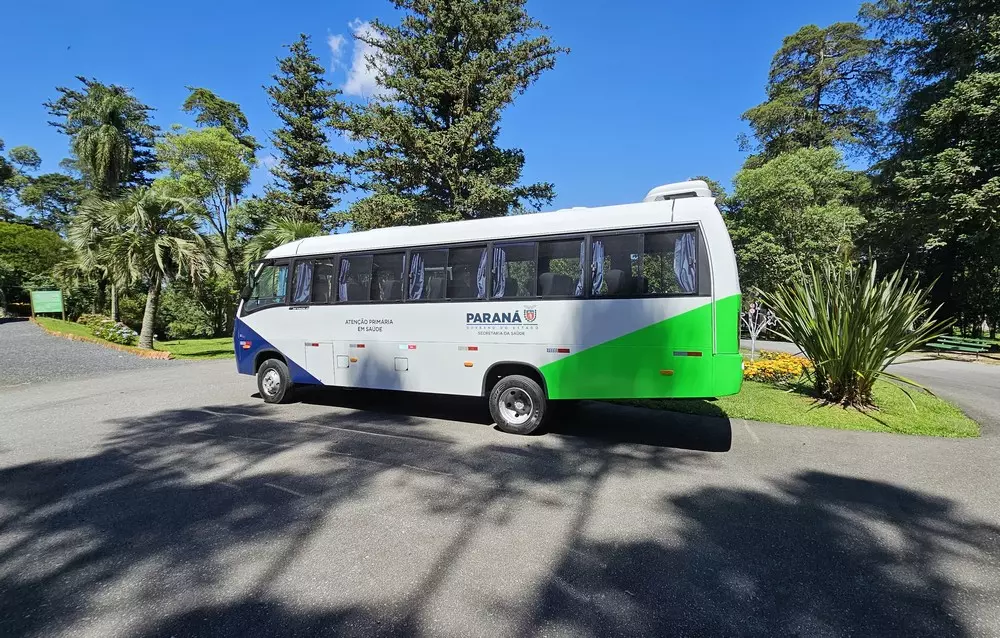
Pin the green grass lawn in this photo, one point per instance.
(764, 402)
(220, 348)
(67, 327)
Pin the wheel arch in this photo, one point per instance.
(264, 355)
(502, 369)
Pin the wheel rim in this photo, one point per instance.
(270, 382)
(515, 406)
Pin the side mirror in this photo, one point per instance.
(246, 292)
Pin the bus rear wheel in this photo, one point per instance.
(517, 404)
(273, 381)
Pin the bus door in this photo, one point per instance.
(308, 316)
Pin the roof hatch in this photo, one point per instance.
(695, 188)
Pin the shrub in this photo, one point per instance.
(91, 320)
(115, 332)
(776, 367)
(852, 325)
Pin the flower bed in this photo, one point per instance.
(776, 367)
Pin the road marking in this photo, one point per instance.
(424, 469)
(359, 458)
(752, 434)
(352, 430)
(285, 489)
(214, 413)
(247, 438)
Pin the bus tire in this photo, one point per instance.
(273, 381)
(517, 404)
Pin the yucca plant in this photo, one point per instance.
(853, 325)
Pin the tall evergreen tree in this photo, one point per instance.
(307, 179)
(430, 149)
(939, 208)
(821, 91)
(110, 134)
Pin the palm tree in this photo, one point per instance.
(277, 232)
(145, 237)
(106, 123)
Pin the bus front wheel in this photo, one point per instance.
(274, 381)
(517, 404)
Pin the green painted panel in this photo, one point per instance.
(727, 325)
(669, 359)
(46, 300)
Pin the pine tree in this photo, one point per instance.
(430, 149)
(307, 181)
(820, 92)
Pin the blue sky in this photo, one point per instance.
(651, 92)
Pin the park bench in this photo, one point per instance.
(961, 344)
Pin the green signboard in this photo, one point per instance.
(46, 301)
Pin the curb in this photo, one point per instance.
(144, 354)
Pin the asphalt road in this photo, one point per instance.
(29, 355)
(170, 502)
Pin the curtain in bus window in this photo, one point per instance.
(499, 272)
(685, 262)
(345, 267)
(282, 282)
(416, 276)
(481, 277)
(579, 282)
(597, 267)
(303, 282)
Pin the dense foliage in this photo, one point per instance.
(27, 256)
(938, 205)
(794, 210)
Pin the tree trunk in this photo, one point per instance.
(114, 302)
(149, 316)
(99, 298)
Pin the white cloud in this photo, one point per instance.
(361, 76)
(336, 43)
(269, 161)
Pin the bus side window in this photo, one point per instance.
(615, 266)
(354, 278)
(428, 276)
(560, 268)
(387, 277)
(324, 287)
(513, 274)
(670, 263)
(467, 267)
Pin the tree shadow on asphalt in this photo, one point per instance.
(185, 522)
(601, 422)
